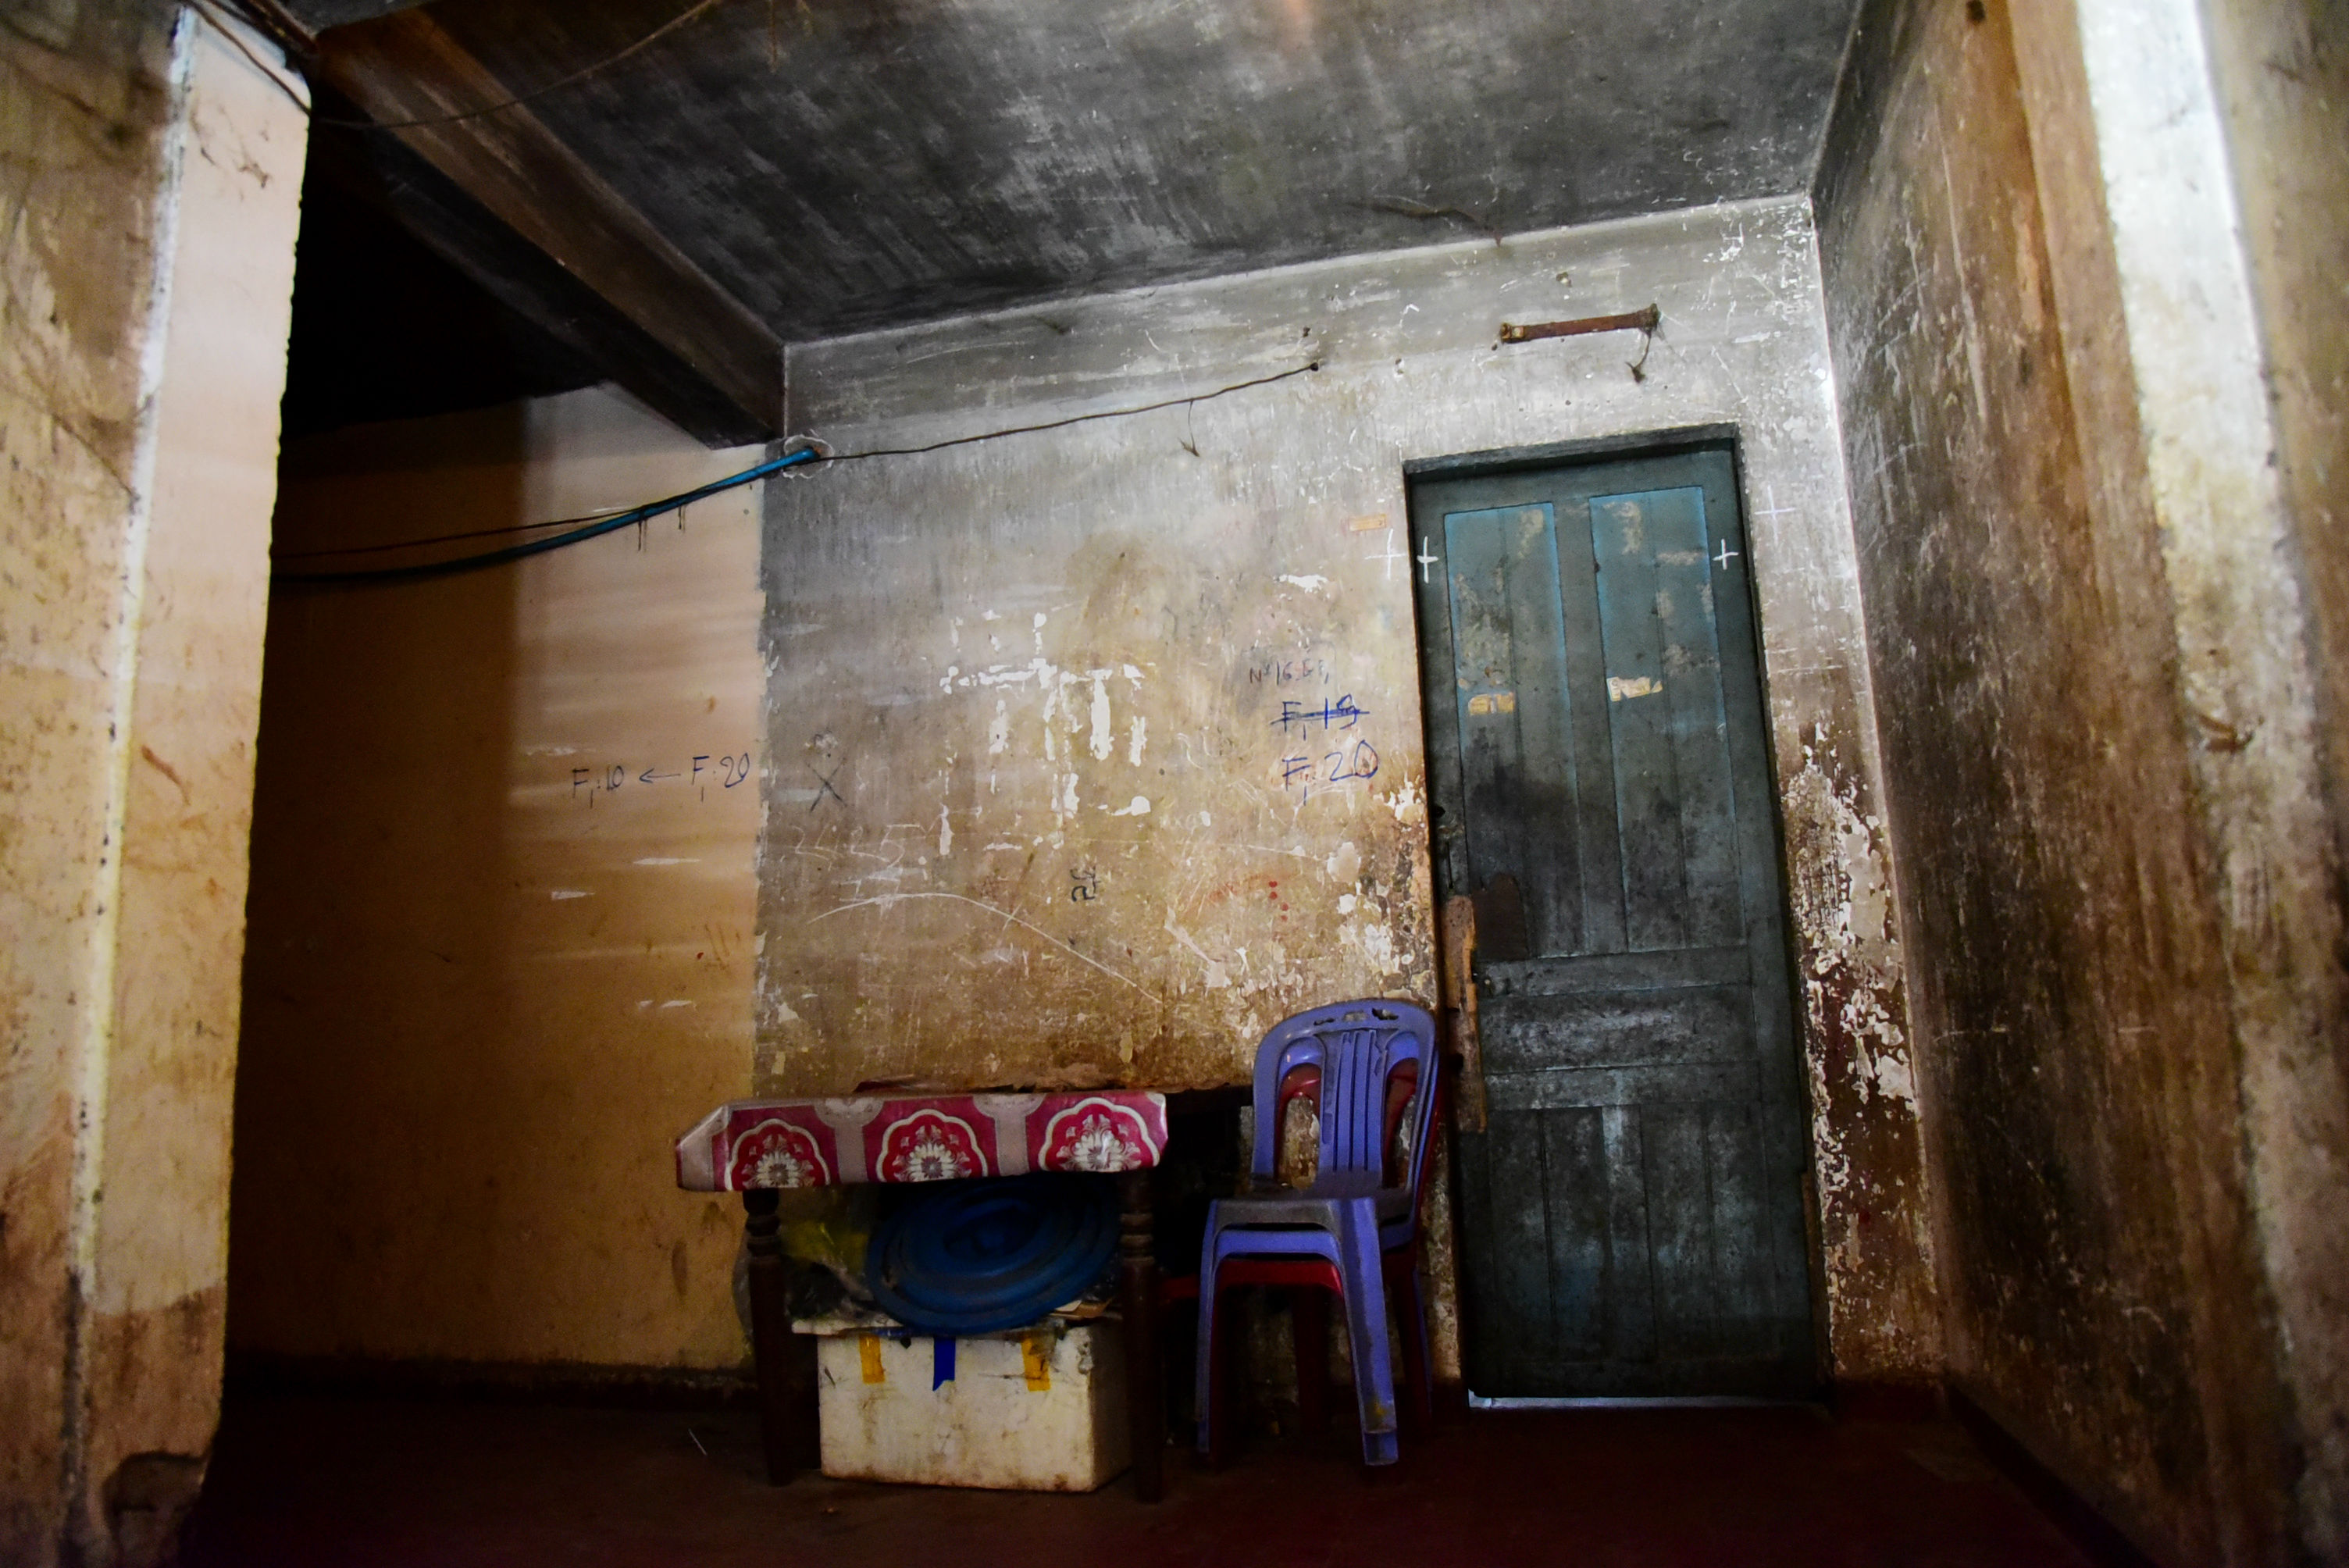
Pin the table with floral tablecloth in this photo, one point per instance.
(762, 1148)
(748, 1144)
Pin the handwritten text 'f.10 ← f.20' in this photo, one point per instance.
(698, 774)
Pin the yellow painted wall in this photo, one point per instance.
(485, 982)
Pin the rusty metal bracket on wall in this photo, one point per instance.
(1628, 320)
(1456, 933)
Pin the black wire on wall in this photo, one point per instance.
(810, 453)
(541, 546)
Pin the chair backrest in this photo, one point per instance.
(1356, 1049)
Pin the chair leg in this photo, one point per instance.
(1363, 1270)
(1411, 1310)
(1308, 1319)
(1206, 1361)
(1220, 1384)
(1231, 1389)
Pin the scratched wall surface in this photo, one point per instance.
(2054, 769)
(2285, 83)
(82, 116)
(160, 1251)
(500, 914)
(150, 210)
(1093, 751)
(2282, 83)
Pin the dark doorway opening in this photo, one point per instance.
(1631, 1215)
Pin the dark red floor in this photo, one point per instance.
(424, 1485)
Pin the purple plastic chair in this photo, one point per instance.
(1351, 1214)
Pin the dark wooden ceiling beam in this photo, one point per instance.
(378, 171)
(406, 66)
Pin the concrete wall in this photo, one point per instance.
(2283, 84)
(2092, 672)
(494, 967)
(1032, 811)
(74, 392)
(153, 178)
(2281, 75)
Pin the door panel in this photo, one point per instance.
(1574, 1175)
(1593, 1028)
(1664, 711)
(1560, 1088)
(1521, 648)
(1631, 1221)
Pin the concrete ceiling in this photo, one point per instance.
(839, 165)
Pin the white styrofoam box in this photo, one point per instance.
(1041, 1413)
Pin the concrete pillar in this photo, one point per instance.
(2212, 355)
(153, 172)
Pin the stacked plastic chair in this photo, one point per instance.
(1359, 1213)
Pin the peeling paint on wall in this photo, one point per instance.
(1873, 1222)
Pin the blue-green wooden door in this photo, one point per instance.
(1631, 1221)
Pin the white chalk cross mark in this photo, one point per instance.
(1427, 558)
(1774, 511)
(1390, 555)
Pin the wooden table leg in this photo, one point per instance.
(785, 1360)
(1145, 1387)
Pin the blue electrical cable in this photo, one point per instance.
(541, 546)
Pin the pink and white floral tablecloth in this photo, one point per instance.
(766, 1143)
